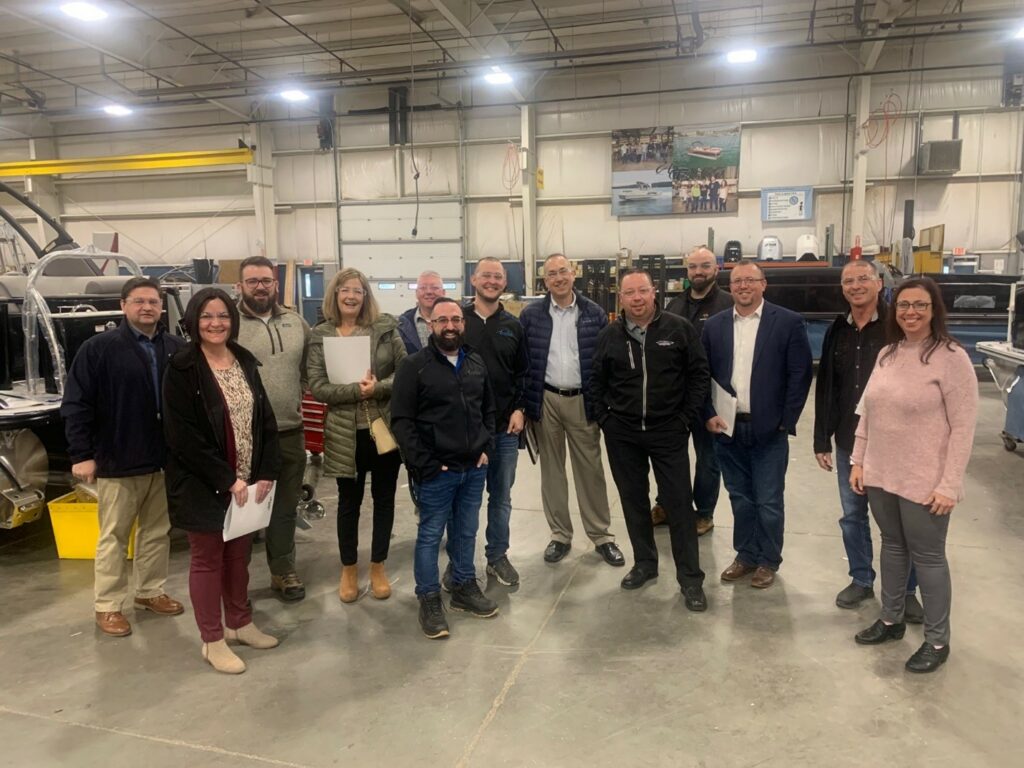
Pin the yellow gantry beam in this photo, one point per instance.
(128, 162)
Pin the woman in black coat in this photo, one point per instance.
(222, 440)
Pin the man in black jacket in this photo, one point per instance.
(112, 420)
(442, 414)
(649, 382)
(697, 303)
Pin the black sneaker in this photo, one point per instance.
(854, 595)
(468, 597)
(446, 578)
(502, 570)
(432, 620)
(913, 611)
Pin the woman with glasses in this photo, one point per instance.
(222, 440)
(350, 451)
(911, 450)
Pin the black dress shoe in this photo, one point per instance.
(695, 599)
(928, 658)
(879, 632)
(555, 551)
(611, 554)
(637, 577)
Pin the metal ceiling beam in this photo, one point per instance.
(417, 18)
(267, 7)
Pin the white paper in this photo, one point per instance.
(725, 406)
(250, 516)
(347, 358)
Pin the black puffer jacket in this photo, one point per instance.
(195, 414)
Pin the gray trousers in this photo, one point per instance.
(912, 534)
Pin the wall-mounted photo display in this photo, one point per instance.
(641, 172)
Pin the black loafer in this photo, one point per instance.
(555, 551)
(927, 658)
(880, 632)
(637, 577)
(695, 599)
(611, 554)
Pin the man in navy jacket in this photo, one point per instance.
(760, 355)
(561, 334)
(414, 324)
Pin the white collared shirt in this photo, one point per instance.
(744, 336)
(563, 367)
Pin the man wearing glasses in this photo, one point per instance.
(561, 333)
(279, 338)
(112, 420)
(442, 414)
(414, 324)
(697, 303)
(848, 354)
(760, 356)
(649, 382)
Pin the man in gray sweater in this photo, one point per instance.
(279, 338)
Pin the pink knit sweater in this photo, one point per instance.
(917, 423)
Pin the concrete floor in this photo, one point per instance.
(573, 672)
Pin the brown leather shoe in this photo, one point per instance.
(658, 516)
(704, 524)
(737, 571)
(113, 623)
(763, 578)
(161, 604)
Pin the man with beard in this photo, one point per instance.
(414, 324)
(279, 338)
(697, 303)
(442, 414)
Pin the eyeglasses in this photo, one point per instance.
(143, 302)
(637, 292)
(443, 321)
(859, 280)
(563, 272)
(746, 280)
(351, 291)
(917, 306)
(208, 317)
(262, 282)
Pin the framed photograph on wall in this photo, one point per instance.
(642, 172)
(705, 170)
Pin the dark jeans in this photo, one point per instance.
(450, 499)
(218, 573)
(755, 477)
(280, 533)
(707, 475)
(501, 475)
(857, 529)
(632, 454)
(383, 481)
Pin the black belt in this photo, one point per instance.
(744, 417)
(563, 392)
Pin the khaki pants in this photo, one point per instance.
(121, 500)
(564, 421)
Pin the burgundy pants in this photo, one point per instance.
(219, 573)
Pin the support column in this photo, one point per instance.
(261, 175)
(860, 163)
(528, 161)
(42, 190)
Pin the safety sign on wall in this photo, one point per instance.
(787, 204)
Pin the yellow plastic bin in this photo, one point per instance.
(76, 526)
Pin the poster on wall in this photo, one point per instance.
(787, 204)
(665, 170)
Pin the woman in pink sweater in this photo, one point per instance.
(912, 446)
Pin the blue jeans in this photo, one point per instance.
(501, 474)
(451, 499)
(707, 475)
(857, 530)
(755, 477)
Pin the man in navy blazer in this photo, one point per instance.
(759, 354)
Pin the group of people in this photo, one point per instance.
(710, 195)
(452, 388)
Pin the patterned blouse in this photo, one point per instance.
(238, 397)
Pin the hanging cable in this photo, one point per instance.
(412, 141)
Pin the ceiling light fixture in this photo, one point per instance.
(741, 56)
(84, 11)
(294, 94)
(117, 110)
(497, 77)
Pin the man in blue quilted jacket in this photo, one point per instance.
(561, 333)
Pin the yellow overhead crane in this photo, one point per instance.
(193, 159)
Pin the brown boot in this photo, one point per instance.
(380, 586)
(348, 589)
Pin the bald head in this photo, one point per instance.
(701, 270)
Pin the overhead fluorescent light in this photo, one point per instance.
(84, 11)
(294, 94)
(498, 77)
(741, 56)
(117, 110)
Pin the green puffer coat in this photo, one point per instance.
(386, 351)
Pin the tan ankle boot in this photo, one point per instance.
(222, 658)
(250, 635)
(348, 590)
(380, 585)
